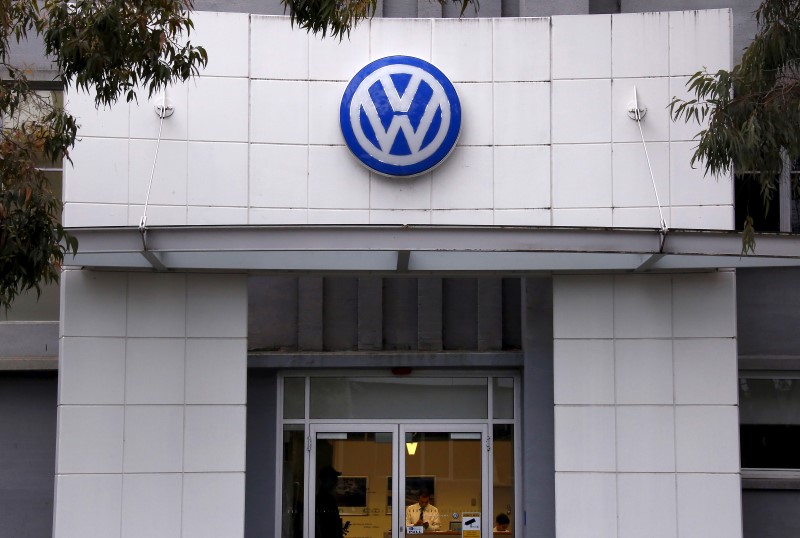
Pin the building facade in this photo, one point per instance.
(542, 326)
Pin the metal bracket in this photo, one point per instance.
(165, 109)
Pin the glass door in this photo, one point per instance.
(397, 480)
(445, 486)
(351, 467)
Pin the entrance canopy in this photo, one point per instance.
(423, 249)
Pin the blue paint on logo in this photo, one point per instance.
(400, 116)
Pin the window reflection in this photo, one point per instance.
(769, 416)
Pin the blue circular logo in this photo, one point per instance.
(400, 116)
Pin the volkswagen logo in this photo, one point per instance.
(400, 116)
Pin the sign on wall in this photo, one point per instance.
(400, 116)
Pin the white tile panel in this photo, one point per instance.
(586, 505)
(706, 371)
(633, 185)
(154, 370)
(99, 171)
(521, 177)
(328, 216)
(93, 303)
(214, 438)
(583, 306)
(521, 113)
(406, 37)
(218, 109)
(89, 439)
(477, 217)
(704, 305)
(279, 111)
(217, 174)
(699, 39)
(146, 123)
(105, 121)
(464, 180)
(216, 306)
(583, 372)
(92, 371)
(88, 506)
(277, 216)
(707, 439)
(331, 59)
(640, 44)
(642, 306)
(690, 186)
(226, 38)
(710, 505)
(521, 49)
(593, 218)
(703, 217)
(640, 217)
(202, 216)
(336, 179)
(585, 438)
(213, 505)
(582, 176)
(653, 95)
(153, 439)
(644, 371)
(216, 371)
(398, 193)
(462, 49)
(399, 216)
(646, 438)
(168, 185)
(587, 57)
(522, 217)
(581, 111)
(77, 215)
(156, 305)
(476, 114)
(647, 506)
(157, 215)
(269, 34)
(151, 505)
(324, 102)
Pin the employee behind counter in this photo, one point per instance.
(423, 512)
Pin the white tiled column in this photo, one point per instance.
(151, 420)
(646, 423)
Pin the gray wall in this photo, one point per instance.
(770, 513)
(538, 443)
(767, 311)
(383, 314)
(260, 487)
(27, 453)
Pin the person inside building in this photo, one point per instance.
(328, 522)
(423, 513)
(501, 524)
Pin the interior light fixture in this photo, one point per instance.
(411, 448)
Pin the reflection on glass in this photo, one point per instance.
(399, 398)
(503, 397)
(503, 486)
(443, 479)
(352, 468)
(769, 416)
(294, 399)
(293, 481)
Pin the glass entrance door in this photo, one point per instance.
(445, 485)
(396, 480)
